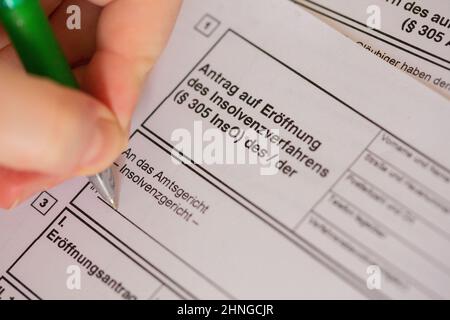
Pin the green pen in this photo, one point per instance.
(32, 36)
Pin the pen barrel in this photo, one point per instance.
(34, 40)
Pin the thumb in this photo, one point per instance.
(51, 129)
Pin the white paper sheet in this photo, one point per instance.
(412, 36)
(360, 207)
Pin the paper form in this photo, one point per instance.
(412, 36)
(358, 206)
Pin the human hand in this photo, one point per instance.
(49, 133)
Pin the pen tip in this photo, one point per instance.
(105, 185)
(113, 203)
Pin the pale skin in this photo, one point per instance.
(49, 133)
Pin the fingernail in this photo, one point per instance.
(106, 141)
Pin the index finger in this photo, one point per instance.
(131, 35)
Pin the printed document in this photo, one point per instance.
(412, 36)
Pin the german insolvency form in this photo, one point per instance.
(268, 159)
(410, 35)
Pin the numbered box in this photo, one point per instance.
(44, 203)
(103, 270)
(207, 25)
